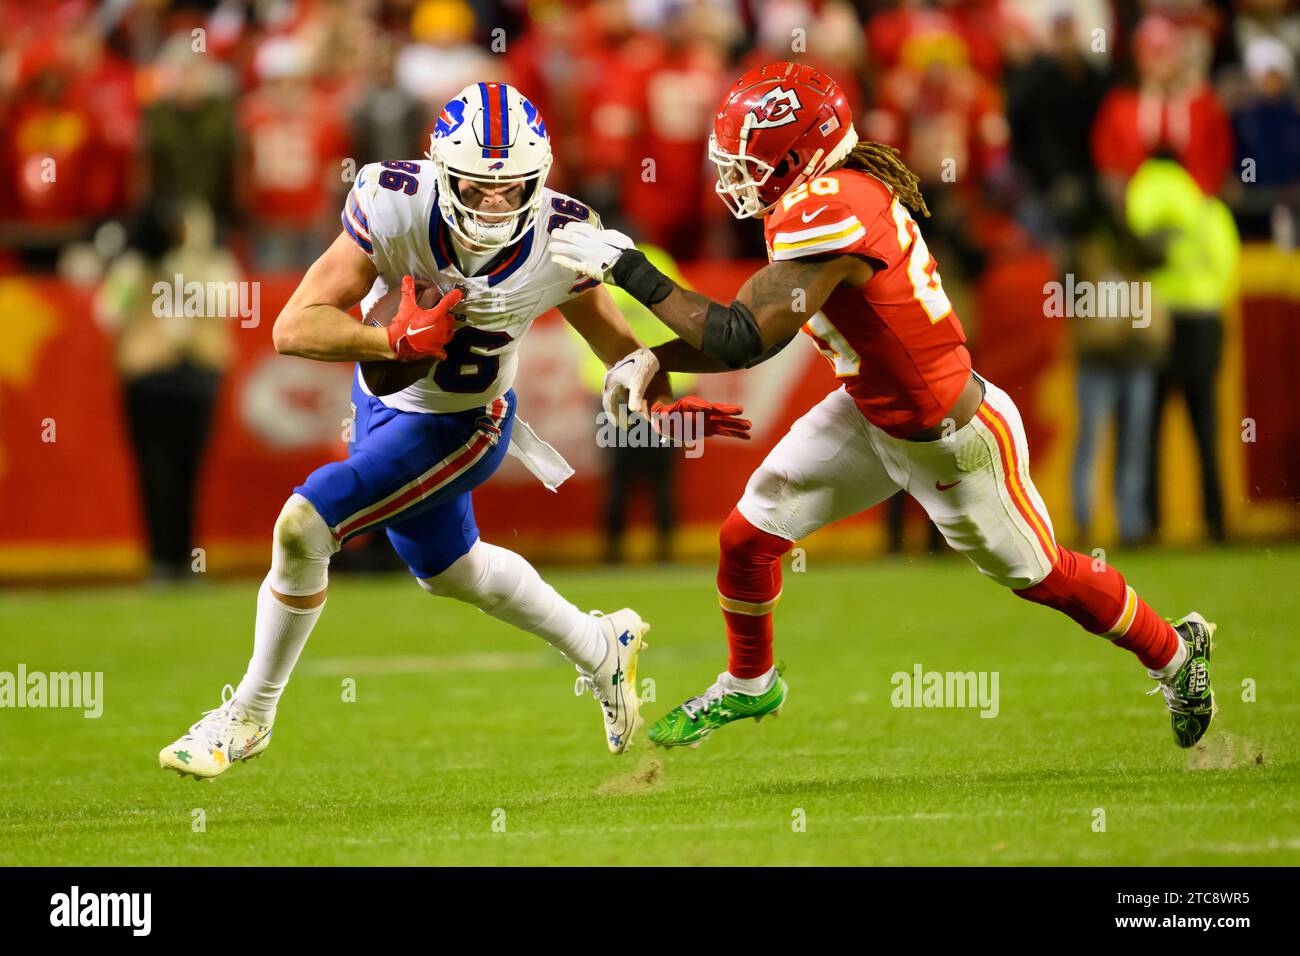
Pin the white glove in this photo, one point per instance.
(625, 385)
(587, 250)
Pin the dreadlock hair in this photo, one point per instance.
(885, 164)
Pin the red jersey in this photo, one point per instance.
(670, 95)
(1131, 125)
(294, 145)
(895, 341)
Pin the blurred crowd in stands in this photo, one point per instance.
(1019, 114)
(1027, 121)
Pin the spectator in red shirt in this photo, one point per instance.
(53, 142)
(1171, 107)
(294, 146)
(664, 169)
(565, 64)
(947, 120)
(104, 82)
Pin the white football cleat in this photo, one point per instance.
(613, 683)
(222, 737)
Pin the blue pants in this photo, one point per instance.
(1128, 395)
(412, 473)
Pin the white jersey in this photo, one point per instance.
(392, 214)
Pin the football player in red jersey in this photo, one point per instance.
(848, 266)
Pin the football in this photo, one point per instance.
(384, 377)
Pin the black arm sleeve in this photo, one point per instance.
(634, 274)
(731, 335)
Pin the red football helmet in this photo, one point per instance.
(779, 125)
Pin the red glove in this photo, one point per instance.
(719, 420)
(417, 333)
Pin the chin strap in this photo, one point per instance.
(811, 169)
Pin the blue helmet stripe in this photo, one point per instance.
(505, 116)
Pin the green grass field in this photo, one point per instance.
(457, 717)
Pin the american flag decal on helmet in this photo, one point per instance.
(830, 126)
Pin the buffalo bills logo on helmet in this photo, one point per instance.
(533, 118)
(777, 108)
(497, 165)
(450, 119)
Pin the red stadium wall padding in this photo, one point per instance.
(1271, 351)
(57, 381)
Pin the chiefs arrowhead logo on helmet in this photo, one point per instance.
(776, 108)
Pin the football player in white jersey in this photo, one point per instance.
(475, 219)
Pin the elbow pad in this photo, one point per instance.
(731, 335)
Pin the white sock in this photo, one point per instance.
(504, 585)
(751, 686)
(1175, 663)
(278, 639)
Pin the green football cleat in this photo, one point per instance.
(1187, 693)
(700, 716)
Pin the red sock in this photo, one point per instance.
(749, 585)
(1100, 601)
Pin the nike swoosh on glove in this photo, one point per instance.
(719, 419)
(417, 333)
(587, 250)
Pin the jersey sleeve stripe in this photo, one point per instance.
(792, 250)
(357, 237)
(350, 216)
(357, 214)
(825, 229)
